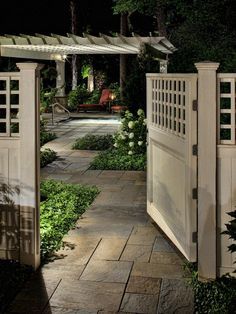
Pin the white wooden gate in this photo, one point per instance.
(172, 160)
(19, 164)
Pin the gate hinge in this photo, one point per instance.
(195, 150)
(194, 237)
(195, 105)
(195, 194)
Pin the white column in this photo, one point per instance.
(60, 84)
(163, 66)
(149, 82)
(207, 135)
(29, 164)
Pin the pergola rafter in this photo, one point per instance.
(57, 46)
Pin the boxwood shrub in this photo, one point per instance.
(94, 142)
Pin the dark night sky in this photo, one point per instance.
(52, 16)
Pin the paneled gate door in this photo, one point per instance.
(172, 157)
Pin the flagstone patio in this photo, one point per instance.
(116, 260)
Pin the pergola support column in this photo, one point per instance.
(60, 83)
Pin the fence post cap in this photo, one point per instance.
(29, 66)
(207, 65)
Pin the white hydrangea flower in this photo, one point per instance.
(140, 112)
(131, 135)
(144, 121)
(130, 152)
(123, 137)
(115, 145)
(131, 124)
(140, 143)
(131, 144)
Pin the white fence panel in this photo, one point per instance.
(172, 167)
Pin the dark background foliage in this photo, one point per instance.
(200, 30)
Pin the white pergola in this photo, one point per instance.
(57, 47)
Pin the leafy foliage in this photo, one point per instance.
(82, 96)
(116, 160)
(47, 156)
(129, 148)
(131, 138)
(231, 231)
(61, 206)
(78, 96)
(94, 142)
(218, 296)
(131, 6)
(12, 277)
(45, 136)
(46, 98)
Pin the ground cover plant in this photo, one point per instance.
(45, 136)
(94, 142)
(12, 277)
(47, 156)
(129, 148)
(217, 296)
(61, 206)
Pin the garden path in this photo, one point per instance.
(116, 260)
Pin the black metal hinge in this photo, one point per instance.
(195, 150)
(195, 105)
(194, 237)
(194, 194)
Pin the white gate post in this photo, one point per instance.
(149, 105)
(29, 163)
(60, 82)
(207, 135)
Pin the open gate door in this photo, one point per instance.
(172, 157)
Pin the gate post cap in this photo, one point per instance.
(207, 65)
(29, 66)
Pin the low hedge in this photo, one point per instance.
(61, 206)
(94, 142)
(116, 160)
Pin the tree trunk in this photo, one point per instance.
(74, 29)
(161, 19)
(123, 58)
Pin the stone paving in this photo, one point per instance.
(116, 260)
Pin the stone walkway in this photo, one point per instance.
(116, 260)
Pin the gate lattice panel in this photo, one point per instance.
(172, 165)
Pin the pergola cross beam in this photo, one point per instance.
(40, 46)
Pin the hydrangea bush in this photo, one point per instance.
(131, 137)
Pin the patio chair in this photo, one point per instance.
(101, 106)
